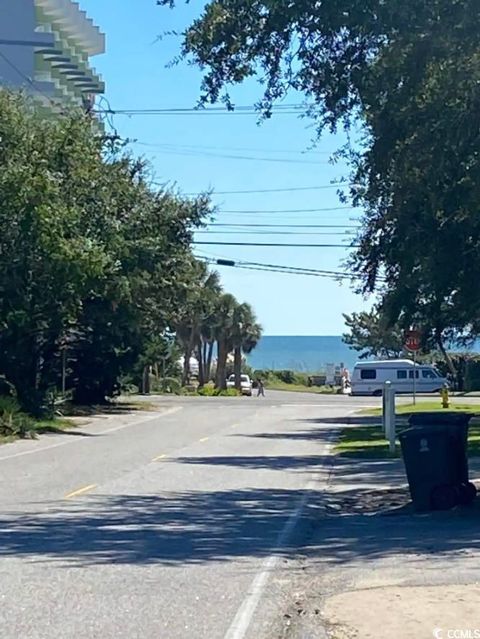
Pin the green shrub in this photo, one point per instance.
(167, 385)
(283, 376)
(287, 377)
(14, 423)
(229, 392)
(211, 391)
(208, 391)
(171, 385)
(9, 405)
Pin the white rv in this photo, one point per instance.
(368, 378)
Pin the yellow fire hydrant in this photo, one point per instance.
(445, 397)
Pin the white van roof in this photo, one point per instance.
(385, 363)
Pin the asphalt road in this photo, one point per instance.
(165, 525)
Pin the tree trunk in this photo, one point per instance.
(237, 367)
(24, 377)
(201, 369)
(221, 382)
(446, 356)
(203, 352)
(186, 366)
(146, 380)
(208, 368)
(187, 355)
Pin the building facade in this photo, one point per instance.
(45, 49)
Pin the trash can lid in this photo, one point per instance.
(445, 417)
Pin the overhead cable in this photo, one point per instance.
(275, 190)
(274, 244)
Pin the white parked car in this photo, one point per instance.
(245, 382)
(368, 378)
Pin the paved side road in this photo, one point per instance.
(165, 525)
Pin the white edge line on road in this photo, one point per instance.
(165, 413)
(244, 616)
(169, 411)
(302, 405)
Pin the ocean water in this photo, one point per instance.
(302, 353)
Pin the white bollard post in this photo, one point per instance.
(390, 426)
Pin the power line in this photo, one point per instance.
(276, 268)
(218, 110)
(163, 145)
(286, 271)
(267, 232)
(278, 190)
(296, 268)
(223, 156)
(285, 226)
(29, 80)
(268, 244)
(255, 211)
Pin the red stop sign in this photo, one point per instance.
(412, 340)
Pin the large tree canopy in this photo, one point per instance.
(96, 266)
(93, 262)
(407, 73)
(370, 334)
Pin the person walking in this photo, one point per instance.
(261, 388)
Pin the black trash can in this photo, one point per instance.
(457, 424)
(436, 463)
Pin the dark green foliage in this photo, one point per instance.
(284, 376)
(404, 76)
(211, 391)
(13, 422)
(93, 263)
(97, 277)
(371, 335)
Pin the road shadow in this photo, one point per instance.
(304, 463)
(73, 431)
(369, 525)
(359, 420)
(220, 526)
(312, 434)
(367, 515)
(179, 528)
(109, 408)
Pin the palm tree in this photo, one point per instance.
(205, 338)
(201, 298)
(245, 336)
(225, 313)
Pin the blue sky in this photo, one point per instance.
(190, 150)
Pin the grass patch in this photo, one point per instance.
(32, 428)
(15, 424)
(56, 425)
(368, 442)
(425, 407)
(364, 442)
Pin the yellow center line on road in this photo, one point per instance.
(155, 459)
(205, 439)
(80, 491)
